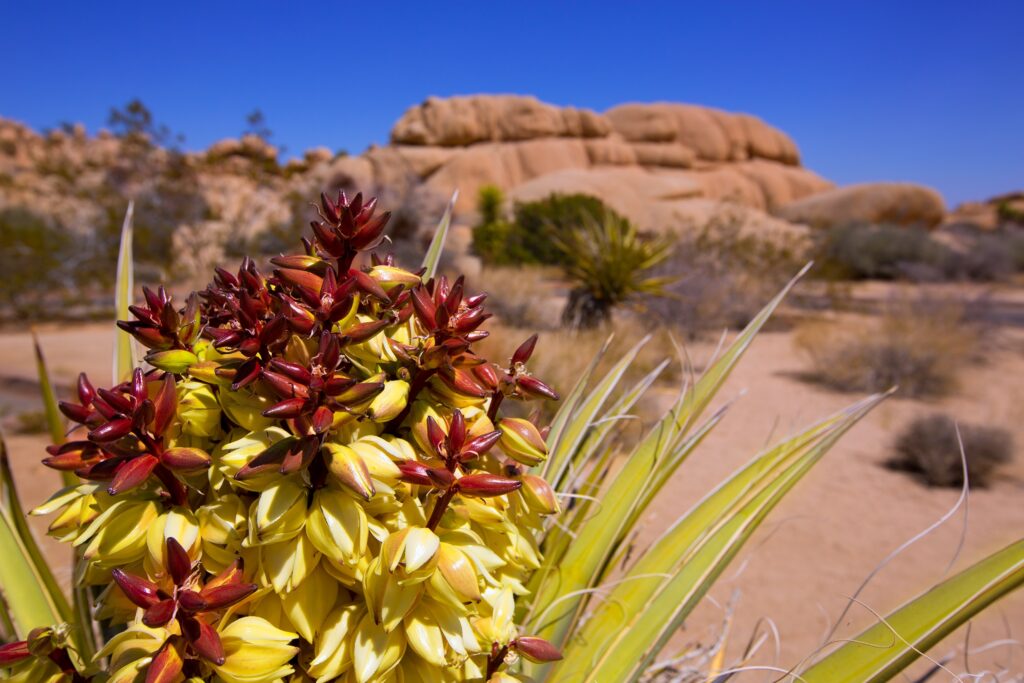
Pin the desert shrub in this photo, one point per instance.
(1008, 210)
(929, 447)
(32, 255)
(723, 274)
(882, 252)
(609, 264)
(918, 346)
(529, 238)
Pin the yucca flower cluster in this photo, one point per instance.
(311, 481)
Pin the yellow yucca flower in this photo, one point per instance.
(255, 651)
(375, 651)
(337, 525)
(177, 523)
(198, 410)
(522, 441)
(117, 536)
(390, 402)
(223, 524)
(285, 565)
(235, 452)
(278, 514)
(308, 604)
(350, 469)
(245, 408)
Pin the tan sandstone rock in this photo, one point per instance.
(895, 203)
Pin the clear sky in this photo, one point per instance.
(931, 92)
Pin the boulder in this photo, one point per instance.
(506, 165)
(669, 154)
(894, 203)
(461, 121)
(712, 134)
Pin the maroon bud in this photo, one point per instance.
(165, 403)
(268, 460)
(480, 445)
(487, 485)
(525, 350)
(14, 652)
(284, 386)
(185, 459)
(293, 370)
(457, 432)
(140, 591)
(534, 388)
(415, 472)
(536, 649)
(323, 418)
(132, 473)
(75, 412)
(190, 601)
(435, 434)
(300, 278)
(360, 332)
(286, 409)
(220, 597)
(159, 614)
(204, 639)
(111, 431)
(487, 375)
(440, 477)
(179, 564)
(369, 285)
(86, 393)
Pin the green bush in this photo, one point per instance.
(529, 238)
(33, 254)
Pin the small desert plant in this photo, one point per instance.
(609, 264)
(930, 447)
(918, 346)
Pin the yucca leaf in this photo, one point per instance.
(883, 650)
(651, 463)
(583, 419)
(30, 591)
(433, 257)
(568, 404)
(124, 350)
(627, 629)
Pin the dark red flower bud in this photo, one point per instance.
(415, 472)
(165, 403)
(457, 432)
(140, 591)
(14, 652)
(322, 419)
(220, 597)
(191, 601)
(525, 350)
(185, 459)
(286, 409)
(284, 386)
(536, 649)
(487, 375)
(132, 473)
(487, 485)
(86, 393)
(440, 477)
(111, 431)
(204, 639)
(533, 387)
(179, 564)
(75, 412)
(435, 434)
(360, 332)
(293, 370)
(480, 445)
(159, 614)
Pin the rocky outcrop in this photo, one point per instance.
(512, 141)
(893, 203)
(992, 214)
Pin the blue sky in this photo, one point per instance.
(931, 92)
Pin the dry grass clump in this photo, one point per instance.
(929, 448)
(530, 297)
(918, 346)
(724, 271)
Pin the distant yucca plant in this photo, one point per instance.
(313, 482)
(607, 263)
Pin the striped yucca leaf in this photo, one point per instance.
(124, 345)
(436, 248)
(30, 594)
(566, 579)
(883, 650)
(646, 605)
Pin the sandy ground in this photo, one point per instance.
(815, 549)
